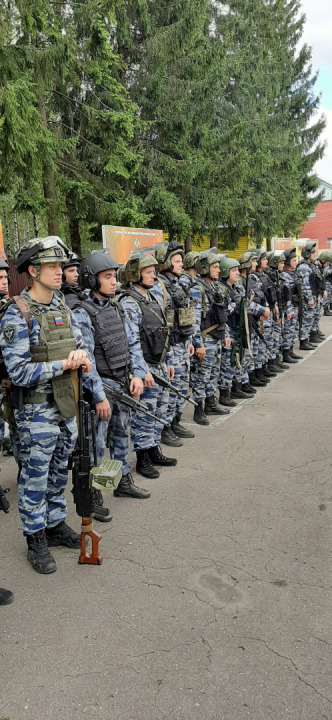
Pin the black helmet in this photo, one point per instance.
(98, 261)
(308, 249)
(289, 253)
(74, 260)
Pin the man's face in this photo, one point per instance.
(281, 266)
(3, 281)
(263, 264)
(70, 275)
(292, 263)
(51, 274)
(177, 264)
(148, 276)
(214, 271)
(233, 275)
(107, 282)
(313, 255)
(253, 265)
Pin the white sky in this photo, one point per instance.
(318, 34)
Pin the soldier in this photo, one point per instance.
(70, 286)
(213, 311)
(316, 336)
(41, 345)
(276, 266)
(180, 313)
(265, 349)
(4, 278)
(119, 363)
(326, 260)
(258, 310)
(149, 323)
(291, 291)
(307, 275)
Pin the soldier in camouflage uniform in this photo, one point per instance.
(276, 266)
(70, 286)
(149, 324)
(316, 336)
(119, 362)
(291, 300)
(306, 273)
(41, 345)
(258, 310)
(212, 308)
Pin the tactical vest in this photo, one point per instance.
(183, 309)
(70, 293)
(268, 288)
(215, 318)
(111, 346)
(56, 341)
(235, 297)
(154, 332)
(255, 289)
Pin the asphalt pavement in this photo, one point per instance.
(214, 598)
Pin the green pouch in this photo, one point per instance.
(107, 475)
(169, 313)
(186, 316)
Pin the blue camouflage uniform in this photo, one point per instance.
(291, 327)
(114, 432)
(46, 438)
(206, 372)
(327, 272)
(250, 363)
(263, 355)
(305, 271)
(145, 432)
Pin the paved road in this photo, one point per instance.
(214, 597)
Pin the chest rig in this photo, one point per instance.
(154, 332)
(111, 346)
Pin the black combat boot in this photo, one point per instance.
(260, 375)
(6, 596)
(248, 389)
(157, 457)
(237, 392)
(327, 312)
(293, 354)
(321, 334)
(144, 465)
(254, 381)
(180, 430)
(315, 339)
(98, 502)
(38, 553)
(169, 438)
(306, 345)
(213, 408)
(268, 372)
(225, 398)
(126, 488)
(199, 415)
(289, 358)
(61, 534)
(274, 367)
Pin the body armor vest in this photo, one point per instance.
(315, 281)
(71, 293)
(256, 290)
(268, 288)
(154, 332)
(111, 347)
(183, 309)
(236, 297)
(214, 320)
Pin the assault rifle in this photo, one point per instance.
(87, 475)
(4, 504)
(168, 386)
(260, 335)
(117, 395)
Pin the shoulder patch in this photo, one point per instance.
(9, 332)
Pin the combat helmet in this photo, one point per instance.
(205, 259)
(98, 261)
(246, 259)
(137, 262)
(275, 258)
(190, 259)
(325, 256)
(73, 260)
(225, 265)
(41, 250)
(308, 249)
(261, 254)
(164, 253)
(289, 253)
(121, 276)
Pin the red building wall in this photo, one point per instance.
(320, 227)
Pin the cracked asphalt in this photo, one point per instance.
(214, 598)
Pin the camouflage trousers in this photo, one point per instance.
(317, 316)
(328, 300)
(308, 318)
(277, 340)
(46, 441)
(206, 372)
(291, 329)
(180, 381)
(145, 432)
(114, 433)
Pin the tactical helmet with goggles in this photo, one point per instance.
(245, 260)
(122, 277)
(308, 249)
(260, 255)
(35, 252)
(164, 253)
(137, 262)
(205, 259)
(190, 259)
(275, 258)
(325, 256)
(98, 261)
(289, 254)
(227, 264)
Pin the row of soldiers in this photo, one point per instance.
(152, 327)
